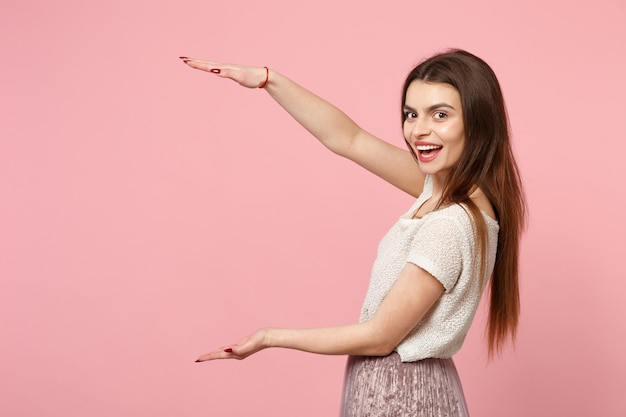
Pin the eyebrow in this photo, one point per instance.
(431, 108)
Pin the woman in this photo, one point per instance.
(434, 263)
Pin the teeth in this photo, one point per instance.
(428, 147)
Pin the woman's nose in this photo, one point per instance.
(420, 128)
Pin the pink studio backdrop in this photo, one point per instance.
(149, 213)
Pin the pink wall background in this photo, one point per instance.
(149, 213)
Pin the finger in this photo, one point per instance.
(202, 61)
(211, 356)
(222, 353)
(204, 66)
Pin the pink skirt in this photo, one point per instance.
(384, 386)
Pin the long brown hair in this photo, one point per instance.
(487, 162)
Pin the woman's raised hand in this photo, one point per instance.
(251, 77)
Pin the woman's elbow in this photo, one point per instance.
(382, 349)
(379, 344)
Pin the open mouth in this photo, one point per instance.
(427, 149)
(427, 153)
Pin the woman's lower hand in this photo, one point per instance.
(245, 347)
(251, 77)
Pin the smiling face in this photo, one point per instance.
(433, 126)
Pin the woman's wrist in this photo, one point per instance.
(272, 77)
(267, 78)
(268, 337)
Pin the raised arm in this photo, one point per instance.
(332, 127)
(412, 295)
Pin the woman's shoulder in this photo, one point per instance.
(460, 216)
(462, 212)
(482, 202)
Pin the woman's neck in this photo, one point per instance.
(438, 185)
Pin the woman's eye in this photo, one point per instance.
(409, 115)
(440, 115)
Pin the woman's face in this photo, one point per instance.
(433, 126)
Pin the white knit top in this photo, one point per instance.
(442, 243)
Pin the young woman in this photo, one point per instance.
(462, 232)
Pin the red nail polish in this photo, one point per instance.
(215, 71)
(228, 350)
(183, 57)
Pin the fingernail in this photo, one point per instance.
(215, 71)
(183, 57)
(228, 350)
(198, 360)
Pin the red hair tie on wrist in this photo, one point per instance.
(267, 77)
